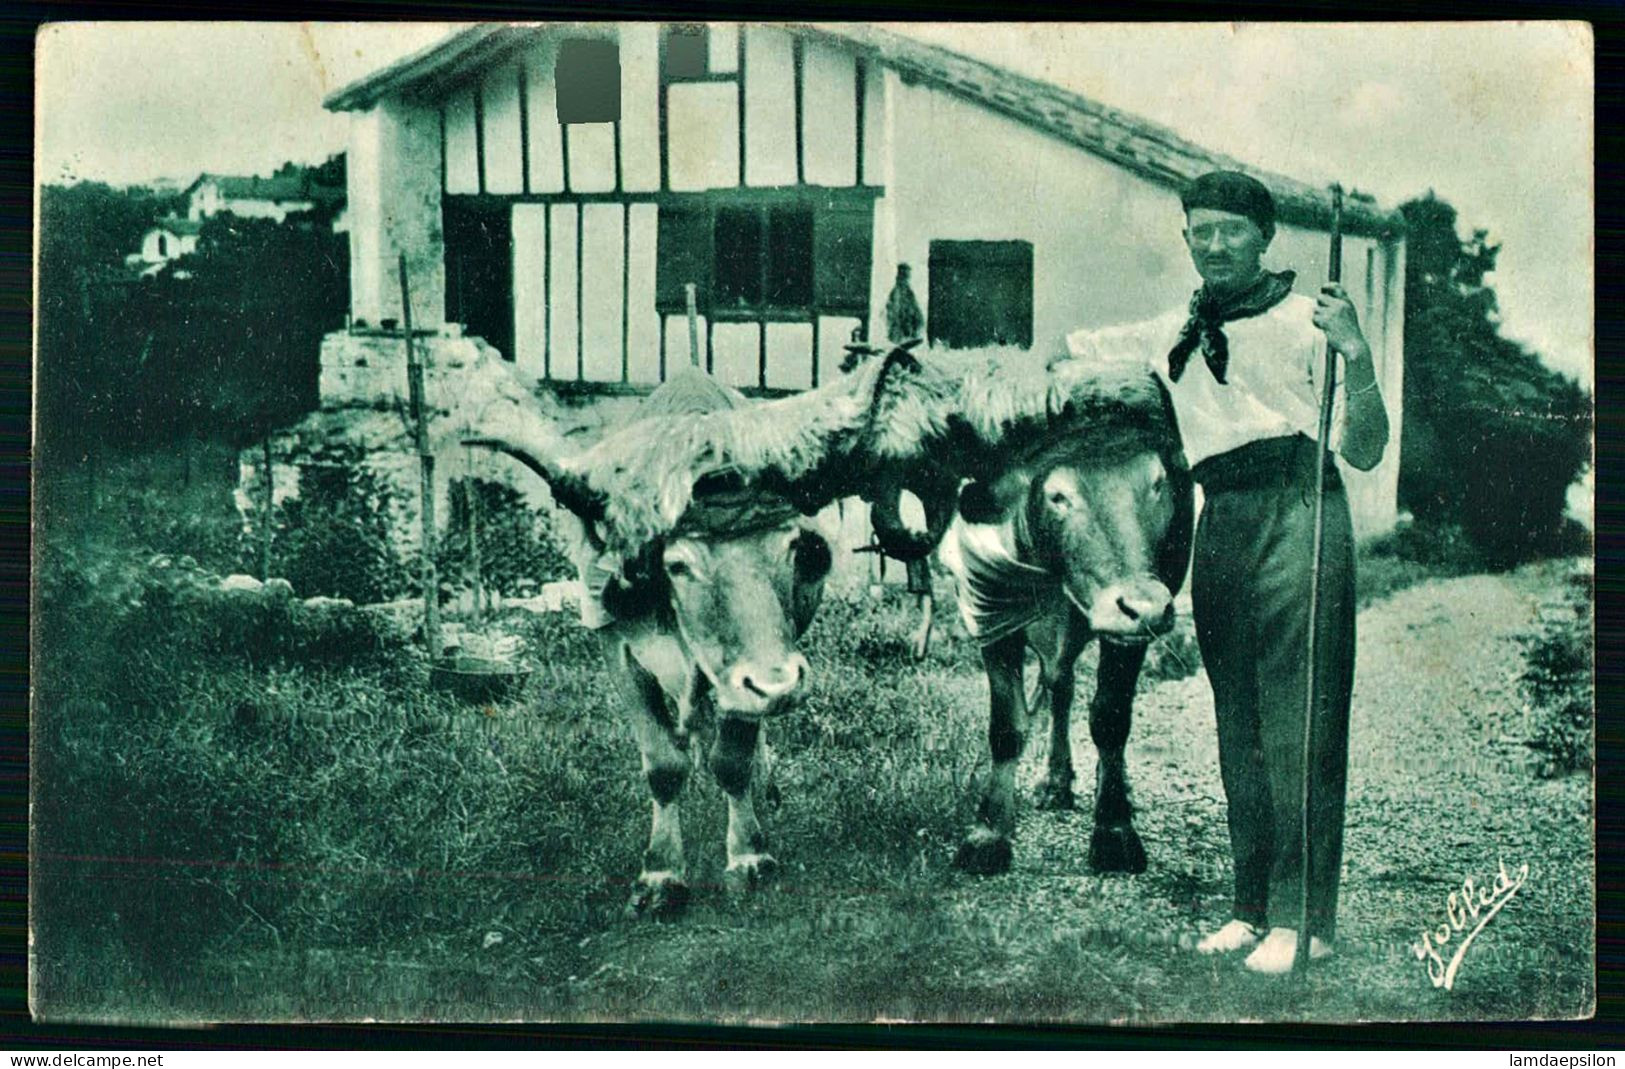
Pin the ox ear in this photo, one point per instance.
(990, 500)
(634, 597)
(814, 558)
(638, 589)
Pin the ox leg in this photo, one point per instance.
(1114, 846)
(732, 760)
(1055, 790)
(986, 849)
(662, 886)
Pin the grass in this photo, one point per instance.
(230, 829)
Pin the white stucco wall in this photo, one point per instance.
(1106, 243)
(703, 154)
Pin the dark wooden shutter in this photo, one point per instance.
(682, 254)
(686, 51)
(843, 245)
(587, 81)
(981, 293)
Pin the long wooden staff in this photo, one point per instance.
(1334, 274)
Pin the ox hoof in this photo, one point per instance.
(658, 894)
(1116, 848)
(749, 872)
(984, 853)
(1054, 794)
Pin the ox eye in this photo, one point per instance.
(678, 569)
(1059, 500)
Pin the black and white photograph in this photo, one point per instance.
(772, 523)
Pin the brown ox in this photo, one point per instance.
(1075, 523)
(699, 581)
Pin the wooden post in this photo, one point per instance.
(691, 295)
(420, 427)
(267, 508)
(474, 549)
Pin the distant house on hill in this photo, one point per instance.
(165, 241)
(253, 197)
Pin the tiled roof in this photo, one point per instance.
(1152, 151)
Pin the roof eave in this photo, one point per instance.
(433, 64)
(1147, 149)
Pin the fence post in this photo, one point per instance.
(420, 427)
(691, 297)
(267, 505)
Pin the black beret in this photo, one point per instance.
(1232, 191)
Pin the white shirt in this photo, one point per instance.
(1273, 378)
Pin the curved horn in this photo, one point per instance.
(535, 443)
(896, 539)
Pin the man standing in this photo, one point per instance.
(1243, 365)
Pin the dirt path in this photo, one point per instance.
(1440, 789)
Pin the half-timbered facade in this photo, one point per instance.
(557, 188)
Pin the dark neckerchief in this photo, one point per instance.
(1205, 328)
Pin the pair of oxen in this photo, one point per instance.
(1059, 492)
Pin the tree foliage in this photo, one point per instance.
(1493, 437)
(222, 345)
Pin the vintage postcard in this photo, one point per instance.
(623, 521)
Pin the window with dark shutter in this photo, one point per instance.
(587, 77)
(751, 259)
(764, 261)
(686, 52)
(981, 293)
(683, 255)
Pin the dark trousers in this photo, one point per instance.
(1250, 588)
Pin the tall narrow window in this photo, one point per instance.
(163, 245)
(684, 254)
(588, 81)
(981, 293)
(789, 258)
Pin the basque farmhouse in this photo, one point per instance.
(556, 189)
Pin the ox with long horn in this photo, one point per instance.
(1073, 522)
(701, 571)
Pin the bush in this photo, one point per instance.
(515, 541)
(1557, 683)
(334, 538)
(1414, 553)
(160, 620)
